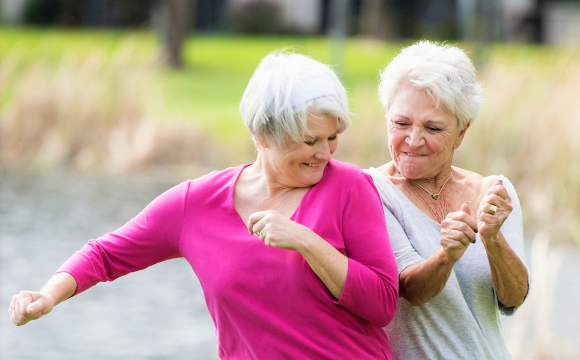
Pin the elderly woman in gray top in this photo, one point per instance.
(457, 235)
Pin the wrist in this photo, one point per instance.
(305, 242)
(493, 239)
(447, 259)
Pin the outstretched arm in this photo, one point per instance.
(31, 305)
(151, 237)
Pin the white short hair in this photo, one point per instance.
(443, 71)
(284, 90)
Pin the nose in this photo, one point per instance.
(415, 138)
(323, 153)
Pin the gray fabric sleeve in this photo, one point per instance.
(512, 230)
(405, 253)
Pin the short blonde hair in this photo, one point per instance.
(443, 71)
(284, 90)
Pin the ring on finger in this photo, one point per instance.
(492, 209)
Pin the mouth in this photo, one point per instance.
(413, 155)
(314, 165)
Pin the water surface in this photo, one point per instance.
(155, 313)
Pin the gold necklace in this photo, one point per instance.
(434, 196)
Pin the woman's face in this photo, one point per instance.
(302, 164)
(422, 137)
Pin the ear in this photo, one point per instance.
(260, 142)
(459, 139)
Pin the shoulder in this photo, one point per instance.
(343, 181)
(472, 180)
(343, 173)
(216, 178)
(344, 168)
(213, 183)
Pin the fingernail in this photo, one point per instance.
(475, 230)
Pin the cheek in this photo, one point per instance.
(333, 146)
(442, 146)
(395, 139)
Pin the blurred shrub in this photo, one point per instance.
(42, 12)
(255, 17)
(118, 13)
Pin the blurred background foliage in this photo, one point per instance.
(98, 100)
(126, 87)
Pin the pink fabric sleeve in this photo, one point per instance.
(371, 290)
(151, 237)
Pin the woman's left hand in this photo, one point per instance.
(493, 211)
(276, 230)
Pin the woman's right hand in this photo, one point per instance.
(457, 232)
(29, 305)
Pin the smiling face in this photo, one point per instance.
(422, 137)
(302, 164)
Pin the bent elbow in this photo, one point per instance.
(388, 312)
(416, 299)
(417, 302)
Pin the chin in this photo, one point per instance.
(410, 172)
(311, 180)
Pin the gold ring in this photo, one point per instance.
(259, 233)
(492, 209)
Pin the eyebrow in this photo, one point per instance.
(317, 137)
(428, 121)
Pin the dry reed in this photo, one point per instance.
(92, 113)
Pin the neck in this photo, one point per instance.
(265, 181)
(437, 181)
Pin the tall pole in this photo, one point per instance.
(338, 24)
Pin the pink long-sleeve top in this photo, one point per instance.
(266, 302)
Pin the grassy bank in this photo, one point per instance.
(97, 100)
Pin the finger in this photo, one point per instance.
(36, 307)
(491, 220)
(35, 310)
(258, 228)
(464, 215)
(493, 199)
(466, 208)
(24, 299)
(253, 219)
(499, 190)
(456, 239)
(467, 233)
(488, 202)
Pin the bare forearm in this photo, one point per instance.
(327, 263)
(60, 287)
(420, 283)
(508, 273)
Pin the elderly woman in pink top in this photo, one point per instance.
(291, 251)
